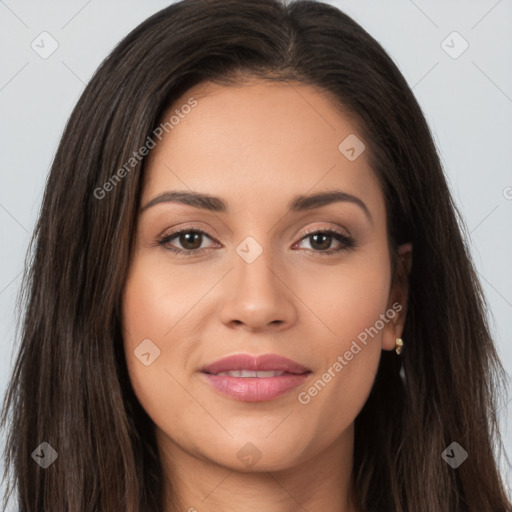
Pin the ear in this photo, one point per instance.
(397, 301)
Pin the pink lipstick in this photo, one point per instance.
(255, 379)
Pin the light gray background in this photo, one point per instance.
(467, 101)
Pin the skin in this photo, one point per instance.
(257, 146)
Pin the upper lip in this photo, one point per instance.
(265, 362)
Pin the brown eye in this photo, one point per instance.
(190, 241)
(321, 241)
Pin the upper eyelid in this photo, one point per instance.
(186, 229)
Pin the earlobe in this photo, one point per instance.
(397, 303)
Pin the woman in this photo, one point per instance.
(249, 289)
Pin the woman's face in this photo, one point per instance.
(256, 283)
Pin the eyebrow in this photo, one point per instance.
(216, 204)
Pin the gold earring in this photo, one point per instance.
(398, 345)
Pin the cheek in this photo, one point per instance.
(349, 302)
(150, 310)
(164, 315)
(346, 299)
(160, 301)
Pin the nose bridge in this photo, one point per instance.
(255, 269)
(258, 296)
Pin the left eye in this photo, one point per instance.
(191, 241)
(323, 238)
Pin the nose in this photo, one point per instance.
(257, 296)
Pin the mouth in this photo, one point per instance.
(249, 373)
(255, 379)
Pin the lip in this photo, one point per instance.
(255, 389)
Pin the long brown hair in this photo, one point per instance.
(70, 386)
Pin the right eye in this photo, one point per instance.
(188, 238)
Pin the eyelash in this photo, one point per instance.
(346, 241)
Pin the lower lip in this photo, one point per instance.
(253, 389)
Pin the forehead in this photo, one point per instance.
(258, 145)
